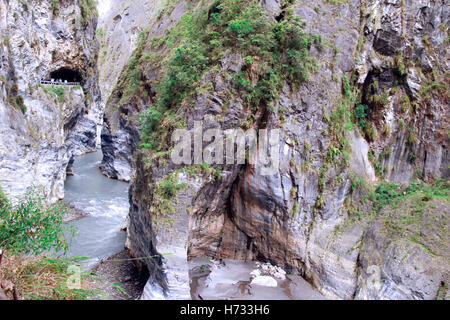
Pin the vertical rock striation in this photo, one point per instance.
(43, 126)
(382, 65)
(119, 31)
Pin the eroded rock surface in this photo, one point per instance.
(302, 218)
(118, 34)
(43, 126)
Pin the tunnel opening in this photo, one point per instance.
(66, 74)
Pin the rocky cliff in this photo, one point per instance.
(42, 126)
(359, 202)
(118, 34)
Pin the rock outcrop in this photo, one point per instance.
(375, 109)
(43, 126)
(118, 32)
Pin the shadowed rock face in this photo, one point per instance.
(42, 127)
(387, 48)
(387, 42)
(120, 28)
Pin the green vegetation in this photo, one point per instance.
(88, 10)
(410, 208)
(29, 225)
(163, 208)
(4, 201)
(58, 90)
(401, 66)
(405, 103)
(274, 52)
(204, 169)
(376, 162)
(360, 114)
(24, 6)
(99, 33)
(336, 1)
(417, 213)
(14, 98)
(169, 187)
(18, 103)
(43, 278)
(358, 183)
(442, 292)
(439, 87)
(371, 132)
(6, 40)
(390, 194)
(55, 7)
(133, 73)
(339, 122)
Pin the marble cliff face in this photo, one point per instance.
(302, 218)
(118, 34)
(42, 127)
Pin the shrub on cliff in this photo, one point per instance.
(88, 10)
(275, 52)
(390, 194)
(55, 7)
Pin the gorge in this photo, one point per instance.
(358, 206)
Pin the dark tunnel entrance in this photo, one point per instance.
(68, 75)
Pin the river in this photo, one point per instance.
(106, 203)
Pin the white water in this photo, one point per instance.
(106, 202)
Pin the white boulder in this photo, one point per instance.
(265, 281)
